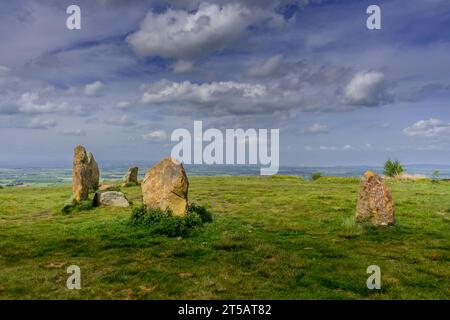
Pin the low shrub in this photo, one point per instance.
(316, 175)
(435, 177)
(146, 216)
(204, 214)
(393, 168)
(163, 222)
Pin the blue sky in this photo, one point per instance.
(339, 93)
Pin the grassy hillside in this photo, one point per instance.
(271, 238)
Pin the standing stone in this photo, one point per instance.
(80, 177)
(132, 176)
(165, 186)
(93, 172)
(374, 201)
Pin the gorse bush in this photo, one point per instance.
(164, 223)
(316, 175)
(435, 176)
(392, 168)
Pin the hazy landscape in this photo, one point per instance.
(48, 176)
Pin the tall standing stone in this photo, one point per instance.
(374, 201)
(132, 176)
(85, 174)
(80, 177)
(165, 186)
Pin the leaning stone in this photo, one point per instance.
(165, 186)
(375, 202)
(111, 199)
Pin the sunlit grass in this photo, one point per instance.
(271, 238)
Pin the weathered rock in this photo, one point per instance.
(85, 174)
(165, 186)
(131, 178)
(93, 172)
(80, 177)
(374, 201)
(110, 199)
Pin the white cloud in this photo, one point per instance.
(123, 120)
(348, 147)
(5, 77)
(267, 68)
(123, 104)
(29, 103)
(93, 89)
(298, 85)
(73, 132)
(187, 36)
(3, 70)
(327, 148)
(431, 128)
(205, 93)
(155, 136)
(316, 128)
(39, 123)
(367, 89)
(182, 66)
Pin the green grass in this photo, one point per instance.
(271, 238)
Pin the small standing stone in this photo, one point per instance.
(165, 186)
(131, 177)
(374, 201)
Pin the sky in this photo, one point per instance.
(339, 93)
